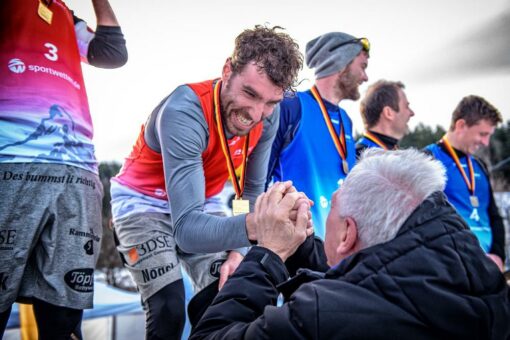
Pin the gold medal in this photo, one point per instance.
(474, 201)
(45, 13)
(240, 206)
(345, 166)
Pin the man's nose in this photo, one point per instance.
(485, 140)
(364, 76)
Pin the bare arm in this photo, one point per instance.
(104, 13)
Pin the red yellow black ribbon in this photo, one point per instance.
(237, 184)
(470, 182)
(338, 140)
(371, 137)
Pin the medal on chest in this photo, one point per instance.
(44, 13)
(239, 205)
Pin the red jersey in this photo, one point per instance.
(143, 169)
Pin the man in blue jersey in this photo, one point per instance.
(385, 111)
(468, 187)
(314, 146)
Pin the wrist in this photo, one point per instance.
(251, 231)
(283, 254)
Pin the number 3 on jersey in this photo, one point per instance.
(52, 52)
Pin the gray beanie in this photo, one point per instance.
(319, 55)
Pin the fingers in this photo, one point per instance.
(224, 273)
(302, 200)
(293, 216)
(302, 216)
(292, 200)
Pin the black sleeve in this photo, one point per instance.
(244, 297)
(108, 48)
(498, 228)
(496, 222)
(309, 255)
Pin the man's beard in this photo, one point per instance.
(348, 85)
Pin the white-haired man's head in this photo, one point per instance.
(377, 197)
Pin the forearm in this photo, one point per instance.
(202, 233)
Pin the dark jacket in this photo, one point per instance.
(432, 281)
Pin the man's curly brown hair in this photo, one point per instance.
(274, 52)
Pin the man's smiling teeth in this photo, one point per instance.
(243, 120)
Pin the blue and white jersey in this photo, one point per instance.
(459, 195)
(311, 160)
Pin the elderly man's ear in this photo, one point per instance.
(349, 239)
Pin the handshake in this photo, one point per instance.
(282, 219)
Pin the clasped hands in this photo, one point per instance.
(281, 222)
(282, 219)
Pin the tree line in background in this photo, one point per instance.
(497, 158)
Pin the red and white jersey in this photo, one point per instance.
(44, 112)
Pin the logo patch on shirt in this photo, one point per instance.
(80, 280)
(214, 270)
(7, 239)
(16, 65)
(153, 273)
(89, 247)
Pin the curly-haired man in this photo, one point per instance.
(191, 144)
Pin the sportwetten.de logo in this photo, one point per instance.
(16, 65)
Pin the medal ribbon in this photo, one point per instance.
(237, 184)
(338, 140)
(469, 182)
(370, 136)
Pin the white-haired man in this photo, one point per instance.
(404, 265)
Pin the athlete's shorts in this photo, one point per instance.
(50, 233)
(148, 249)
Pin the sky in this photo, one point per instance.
(442, 50)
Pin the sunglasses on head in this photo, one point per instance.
(365, 44)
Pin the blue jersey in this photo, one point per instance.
(311, 159)
(459, 195)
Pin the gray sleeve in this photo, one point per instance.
(256, 171)
(182, 133)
